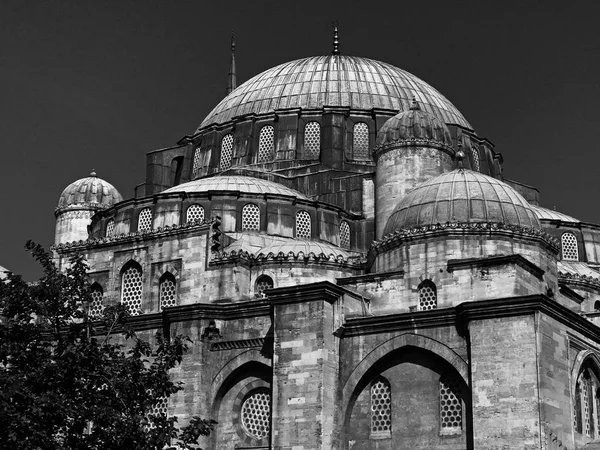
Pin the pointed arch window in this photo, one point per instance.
(266, 143)
(110, 228)
(360, 141)
(475, 154)
(145, 220)
(312, 140)
(344, 234)
(427, 296)
(381, 407)
(570, 251)
(97, 304)
(250, 217)
(197, 163)
(167, 288)
(226, 152)
(194, 213)
(586, 403)
(263, 283)
(303, 225)
(451, 405)
(131, 288)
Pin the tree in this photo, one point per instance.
(67, 382)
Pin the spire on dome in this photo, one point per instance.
(231, 78)
(336, 39)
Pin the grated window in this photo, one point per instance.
(569, 247)
(427, 296)
(303, 225)
(450, 404)
(167, 291)
(110, 228)
(586, 405)
(97, 304)
(475, 154)
(360, 141)
(263, 282)
(266, 144)
(381, 406)
(312, 140)
(250, 217)
(131, 290)
(256, 414)
(161, 407)
(145, 220)
(344, 234)
(226, 152)
(195, 213)
(197, 163)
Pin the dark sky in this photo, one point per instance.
(97, 84)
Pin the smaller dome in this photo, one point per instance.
(414, 125)
(248, 185)
(461, 196)
(89, 193)
(548, 214)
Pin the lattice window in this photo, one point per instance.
(194, 213)
(110, 228)
(450, 405)
(97, 304)
(569, 247)
(160, 408)
(167, 291)
(197, 163)
(312, 140)
(145, 220)
(427, 296)
(256, 414)
(226, 152)
(131, 289)
(344, 234)
(587, 406)
(303, 225)
(381, 407)
(360, 141)
(262, 283)
(577, 422)
(250, 217)
(475, 154)
(266, 144)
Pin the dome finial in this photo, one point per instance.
(414, 104)
(93, 173)
(336, 39)
(460, 155)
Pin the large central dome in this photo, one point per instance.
(335, 80)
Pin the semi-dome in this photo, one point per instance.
(548, 214)
(236, 183)
(334, 80)
(89, 193)
(414, 125)
(461, 196)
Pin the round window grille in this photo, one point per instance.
(569, 247)
(131, 290)
(450, 404)
(226, 152)
(344, 234)
(197, 161)
(250, 217)
(256, 414)
(475, 154)
(427, 298)
(312, 140)
(303, 230)
(145, 220)
(264, 282)
(110, 228)
(195, 213)
(381, 407)
(97, 305)
(167, 293)
(360, 141)
(266, 144)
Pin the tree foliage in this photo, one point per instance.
(67, 382)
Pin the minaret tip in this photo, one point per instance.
(231, 78)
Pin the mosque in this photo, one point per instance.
(354, 269)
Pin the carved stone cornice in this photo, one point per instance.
(301, 258)
(458, 264)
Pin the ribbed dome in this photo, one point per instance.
(461, 196)
(89, 193)
(236, 183)
(414, 125)
(548, 214)
(334, 80)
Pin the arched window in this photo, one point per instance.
(360, 141)
(586, 403)
(255, 414)
(131, 288)
(569, 247)
(110, 228)
(381, 407)
(145, 220)
(475, 154)
(176, 168)
(450, 405)
(266, 145)
(197, 163)
(263, 283)
(167, 291)
(303, 225)
(312, 140)
(344, 234)
(427, 296)
(194, 213)
(226, 152)
(250, 217)
(597, 305)
(97, 304)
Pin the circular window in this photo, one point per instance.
(256, 414)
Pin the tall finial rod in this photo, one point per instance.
(336, 39)
(231, 78)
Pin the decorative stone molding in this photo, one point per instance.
(579, 280)
(243, 343)
(385, 151)
(291, 257)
